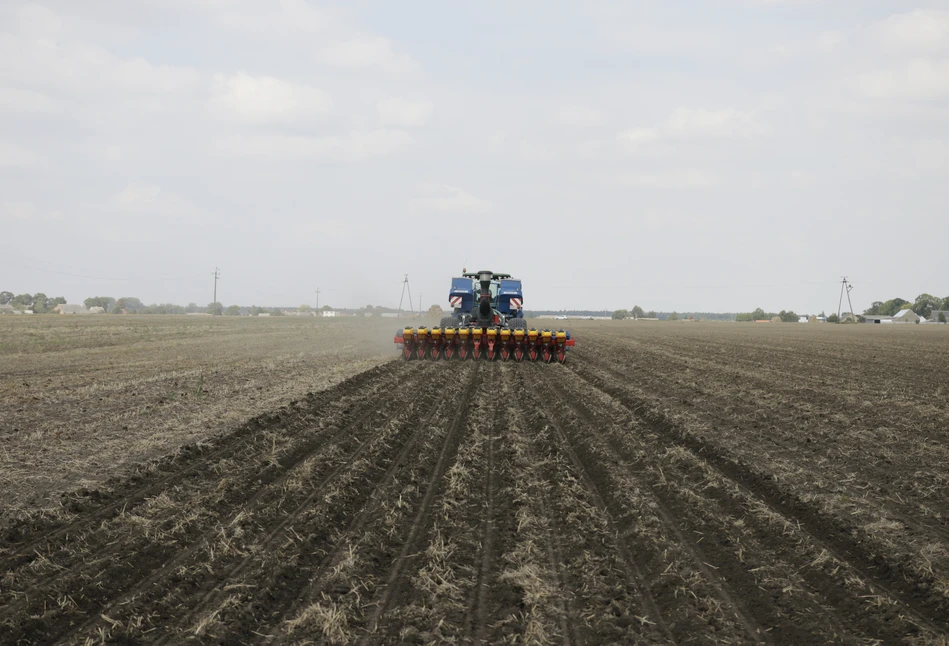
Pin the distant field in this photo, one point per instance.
(81, 397)
(670, 483)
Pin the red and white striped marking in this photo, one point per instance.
(455, 301)
(515, 303)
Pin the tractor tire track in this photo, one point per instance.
(820, 531)
(132, 583)
(318, 491)
(752, 629)
(282, 531)
(272, 476)
(477, 612)
(357, 526)
(26, 542)
(422, 519)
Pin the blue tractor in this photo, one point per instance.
(486, 322)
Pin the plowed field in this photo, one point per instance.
(671, 483)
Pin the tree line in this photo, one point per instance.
(39, 302)
(635, 313)
(924, 305)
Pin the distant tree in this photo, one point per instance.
(892, 306)
(276, 312)
(215, 309)
(5, 298)
(132, 304)
(22, 301)
(164, 308)
(105, 302)
(759, 314)
(326, 308)
(744, 317)
(53, 302)
(435, 310)
(619, 315)
(652, 314)
(233, 310)
(40, 303)
(874, 309)
(788, 317)
(191, 308)
(673, 317)
(637, 312)
(944, 306)
(942, 317)
(925, 304)
(833, 319)
(304, 308)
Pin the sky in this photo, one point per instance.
(693, 156)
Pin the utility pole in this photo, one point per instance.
(317, 298)
(845, 286)
(217, 275)
(405, 287)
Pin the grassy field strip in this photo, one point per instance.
(826, 541)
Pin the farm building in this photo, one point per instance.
(906, 316)
(934, 317)
(328, 313)
(6, 308)
(95, 309)
(70, 309)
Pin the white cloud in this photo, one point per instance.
(919, 79)
(36, 21)
(17, 211)
(638, 136)
(920, 30)
(264, 99)
(369, 52)
(442, 198)
(25, 101)
(579, 117)
(533, 151)
(44, 59)
(802, 179)
(671, 180)
(148, 199)
(401, 112)
(138, 196)
(352, 147)
(14, 156)
(687, 124)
